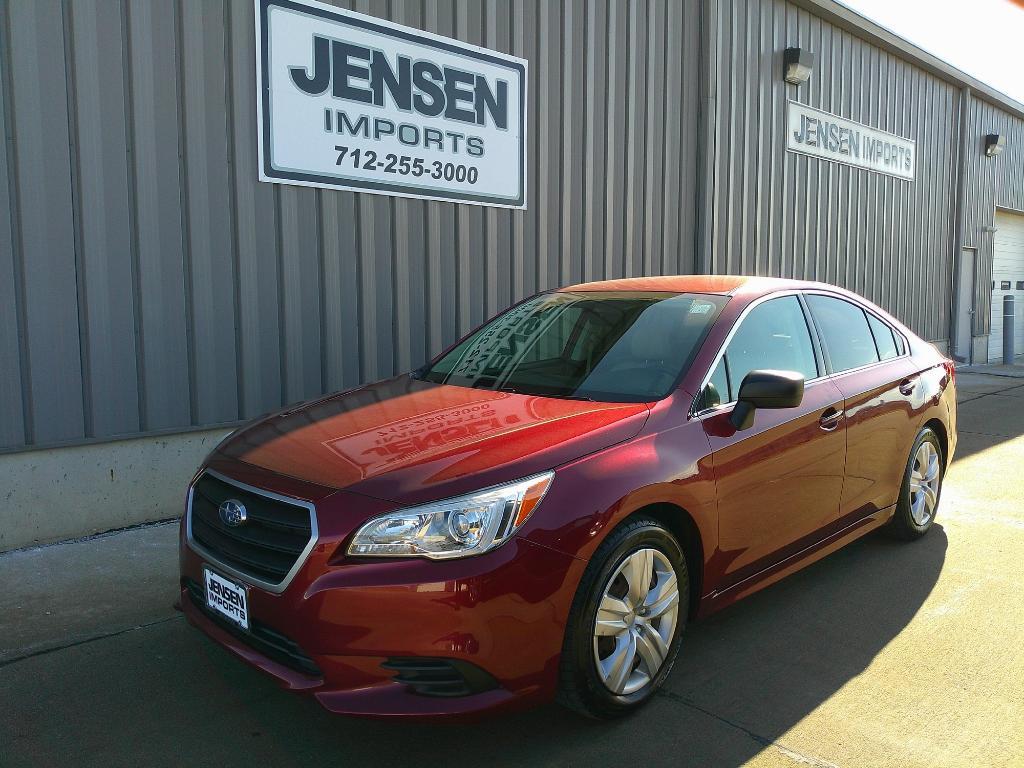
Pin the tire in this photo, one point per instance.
(921, 490)
(591, 681)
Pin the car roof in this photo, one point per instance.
(725, 285)
(749, 287)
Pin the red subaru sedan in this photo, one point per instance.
(539, 511)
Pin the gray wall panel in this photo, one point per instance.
(595, 132)
(47, 253)
(616, 143)
(104, 216)
(341, 290)
(992, 182)
(301, 292)
(410, 296)
(157, 174)
(499, 245)
(472, 269)
(255, 236)
(12, 417)
(573, 157)
(209, 212)
(877, 235)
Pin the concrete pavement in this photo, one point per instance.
(882, 654)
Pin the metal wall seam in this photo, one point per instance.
(75, 190)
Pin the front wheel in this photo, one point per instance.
(918, 501)
(626, 621)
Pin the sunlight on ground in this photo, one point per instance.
(960, 648)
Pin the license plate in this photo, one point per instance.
(227, 598)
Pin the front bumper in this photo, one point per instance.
(503, 612)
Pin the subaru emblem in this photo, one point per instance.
(232, 512)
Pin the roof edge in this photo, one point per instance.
(850, 20)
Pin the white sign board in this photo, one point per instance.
(348, 101)
(813, 132)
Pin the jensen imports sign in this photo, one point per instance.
(813, 132)
(348, 101)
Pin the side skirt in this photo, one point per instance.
(718, 600)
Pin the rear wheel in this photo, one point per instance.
(626, 621)
(918, 502)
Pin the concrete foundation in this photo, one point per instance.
(63, 493)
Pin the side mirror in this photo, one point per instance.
(766, 389)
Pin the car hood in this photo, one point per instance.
(411, 441)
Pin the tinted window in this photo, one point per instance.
(612, 345)
(884, 339)
(774, 336)
(845, 332)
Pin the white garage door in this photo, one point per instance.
(1008, 276)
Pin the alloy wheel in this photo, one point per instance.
(636, 620)
(924, 484)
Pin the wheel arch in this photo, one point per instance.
(936, 426)
(680, 523)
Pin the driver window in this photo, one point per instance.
(773, 336)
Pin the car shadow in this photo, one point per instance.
(165, 695)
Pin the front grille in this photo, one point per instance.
(266, 546)
(440, 677)
(260, 637)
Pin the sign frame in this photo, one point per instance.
(269, 173)
(835, 157)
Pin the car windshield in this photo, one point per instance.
(617, 346)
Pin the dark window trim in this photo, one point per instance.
(816, 337)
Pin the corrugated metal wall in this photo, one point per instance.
(781, 213)
(991, 182)
(148, 282)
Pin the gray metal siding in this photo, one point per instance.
(12, 425)
(992, 182)
(159, 248)
(781, 213)
(44, 251)
(148, 281)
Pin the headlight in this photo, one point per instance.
(466, 525)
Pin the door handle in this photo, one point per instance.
(907, 386)
(830, 419)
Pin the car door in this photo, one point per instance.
(778, 483)
(869, 364)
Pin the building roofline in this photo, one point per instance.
(863, 27)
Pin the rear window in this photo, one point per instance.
(845, 332)
(885, 340)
